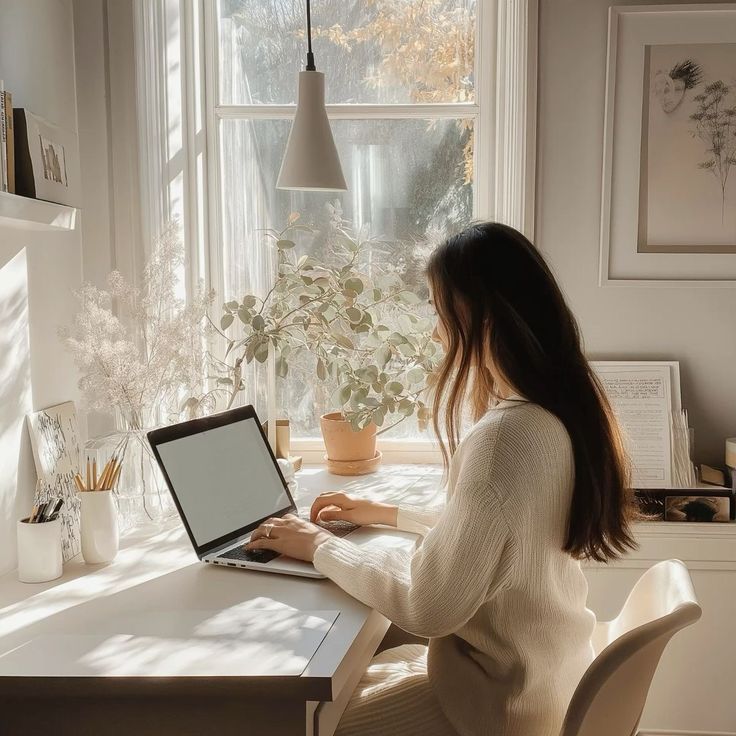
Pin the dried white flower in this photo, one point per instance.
(145, 369)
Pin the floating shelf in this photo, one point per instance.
(34, 214)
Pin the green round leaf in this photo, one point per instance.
(415, 375)
(258, 323)
(226, 320)
(354, 284)
(261, 351)
(354, 315)
(393, 388)
(285, 244)
(382, 355)
(249, 301)
(282, 368)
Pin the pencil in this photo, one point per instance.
(105, 477)
(78, 481)
(89, 475)
(34, 511)
(111, 473)
(94, 473)
(116, 477)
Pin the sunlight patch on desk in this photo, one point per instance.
(93, 582)
(238, 642)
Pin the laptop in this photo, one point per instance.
(225, 482)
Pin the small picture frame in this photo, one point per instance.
(47, 160)
(699, 508)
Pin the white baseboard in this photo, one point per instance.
(650, 732)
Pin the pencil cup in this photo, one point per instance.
(99, 527)
(39, 551)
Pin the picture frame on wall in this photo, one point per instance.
(47, 160)
(668, 214)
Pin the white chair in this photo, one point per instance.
(610, 698)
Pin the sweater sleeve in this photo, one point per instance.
(439, 587)
(417, 519)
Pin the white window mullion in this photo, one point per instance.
(515, 118)
(355, 112)
(215, 278)
(484, 150)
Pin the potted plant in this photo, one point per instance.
(360, 324)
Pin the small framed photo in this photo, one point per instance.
(47, 160)
(697, 508)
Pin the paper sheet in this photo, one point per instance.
(230, 642)
(642, 397)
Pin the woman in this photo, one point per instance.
(539, 482)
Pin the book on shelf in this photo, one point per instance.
(10, 142)
(7, 141)
(3, 143)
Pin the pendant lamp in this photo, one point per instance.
(311, 161)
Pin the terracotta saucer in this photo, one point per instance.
(353, 467)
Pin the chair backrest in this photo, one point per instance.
(610, 698)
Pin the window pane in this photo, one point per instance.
(408, 184)
(386, 51)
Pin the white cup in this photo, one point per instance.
(99, 527)
(39, 551)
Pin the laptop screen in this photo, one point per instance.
(224, 479)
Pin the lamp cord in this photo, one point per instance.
(310, 56)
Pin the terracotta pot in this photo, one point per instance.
(344, 445)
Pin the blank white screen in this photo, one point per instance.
(224, 479)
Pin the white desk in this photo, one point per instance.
(156, 570)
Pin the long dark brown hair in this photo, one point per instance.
(500, 305)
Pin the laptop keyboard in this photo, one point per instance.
(250, 555)
(339, 528)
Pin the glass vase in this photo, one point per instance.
(140, 488)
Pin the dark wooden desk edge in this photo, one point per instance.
(279, 686)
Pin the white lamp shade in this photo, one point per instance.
(311, 161)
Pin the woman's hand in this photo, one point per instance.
(341, 507)
(288, 535)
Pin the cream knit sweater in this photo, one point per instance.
(503, 606)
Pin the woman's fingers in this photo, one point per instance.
(264, 543)
(334, 513)
(324, 500)
(267, 529)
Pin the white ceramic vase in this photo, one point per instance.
(99, 527)
(39, 551)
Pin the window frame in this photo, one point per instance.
(503, 114)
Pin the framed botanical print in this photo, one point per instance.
(669, 170)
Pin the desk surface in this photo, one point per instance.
(156, 570)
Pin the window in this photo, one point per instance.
(401, 93)
(428, 102)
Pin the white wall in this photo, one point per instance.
(695, 326)
(37, 270)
